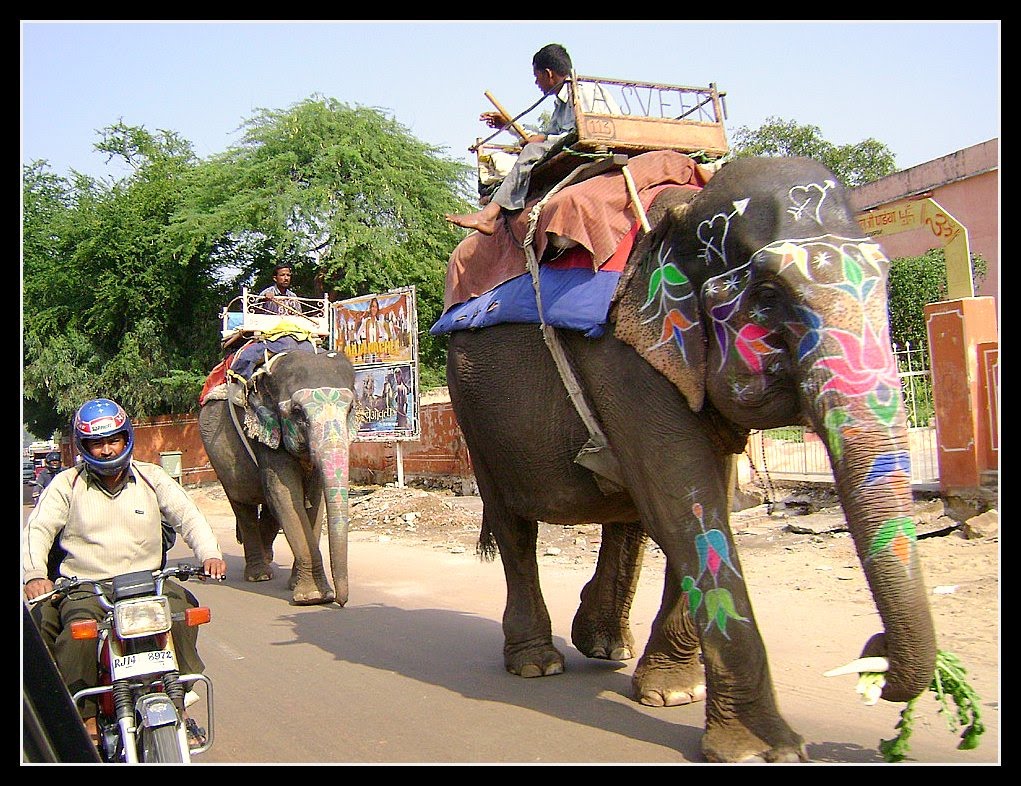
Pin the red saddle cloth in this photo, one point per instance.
(217, 376)
(596, 214)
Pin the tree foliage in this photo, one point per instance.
(106, 310)
(123, 280)
(913, 283)
(345, 193)
(854, 165)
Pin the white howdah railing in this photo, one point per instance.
(246, 316)
(795, 453)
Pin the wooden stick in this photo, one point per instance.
(636, 203)
(508, 118)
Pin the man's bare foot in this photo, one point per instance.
(477, 221)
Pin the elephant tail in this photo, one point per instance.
(486, 548)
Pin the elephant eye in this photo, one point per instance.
(765, 303)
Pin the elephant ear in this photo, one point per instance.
(261, 423)
(656, 309)
(338, 417)
(293, 437)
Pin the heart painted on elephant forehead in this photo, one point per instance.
(712, 233)
(801, 197)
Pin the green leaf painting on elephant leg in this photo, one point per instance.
(713, 554)
(752, 304)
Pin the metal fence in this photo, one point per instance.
(795, 453)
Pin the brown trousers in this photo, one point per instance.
(76, 659)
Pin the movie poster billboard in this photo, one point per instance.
(386, 399)
(377, 328)
(379, 333)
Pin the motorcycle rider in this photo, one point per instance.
(107, 516)
(52, 465)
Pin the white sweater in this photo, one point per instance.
(108, 534)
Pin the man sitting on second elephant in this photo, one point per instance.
(278, 297)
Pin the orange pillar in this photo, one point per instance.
(989, 425)
(955, 329)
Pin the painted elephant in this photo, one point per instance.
(755, 303)
(301, 407)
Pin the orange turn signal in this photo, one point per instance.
(200, 615)
(84, 629)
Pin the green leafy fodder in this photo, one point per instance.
(948, 682)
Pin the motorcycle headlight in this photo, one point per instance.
(141, 617)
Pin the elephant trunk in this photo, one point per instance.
(335, 490)
(330, 414)
(873, 477)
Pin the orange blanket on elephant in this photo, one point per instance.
(596, 214)
(217, 376)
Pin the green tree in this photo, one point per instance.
(854, 165)
(123, 281)
(914, 282)
(106, 309)
(346, 193)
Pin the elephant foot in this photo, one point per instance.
(736, 743)
(607, 642)
(258, 572)
(668, 684)
(534, 661)
(311, 590)
(312, 597)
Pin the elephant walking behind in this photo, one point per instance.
(299, 407)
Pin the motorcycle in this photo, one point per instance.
(141, 696)
(37, 489)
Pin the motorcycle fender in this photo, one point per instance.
(156, 709)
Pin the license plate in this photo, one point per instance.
(143, 663)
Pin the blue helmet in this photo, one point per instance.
(102, 417)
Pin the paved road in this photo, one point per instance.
(411, 672)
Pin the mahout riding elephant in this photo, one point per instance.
(756, 303)
(300, 408)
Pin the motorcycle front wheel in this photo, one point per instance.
(160, 745)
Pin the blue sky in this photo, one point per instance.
(925, 89)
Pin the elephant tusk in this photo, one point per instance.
(860, 666)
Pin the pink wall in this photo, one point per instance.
(441, 453)
(966, 185)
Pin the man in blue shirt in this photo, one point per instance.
(552, 68)
(278, 298)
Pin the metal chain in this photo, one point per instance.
(764, 476)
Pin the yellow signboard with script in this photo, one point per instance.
(950, 233)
